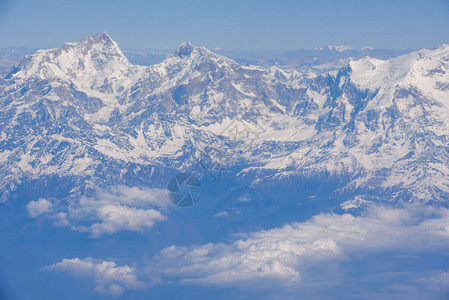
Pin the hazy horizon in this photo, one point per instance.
(243, 25)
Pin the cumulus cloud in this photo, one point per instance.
(115, 209)
(115, 218)
(39, 207)
(221, 214)
(382, 253)
(134, 196)
(110, 279)
(4, 197)
(286, 254)
(244, 198)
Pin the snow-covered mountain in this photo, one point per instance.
(83, 116)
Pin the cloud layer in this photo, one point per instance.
(39, 207)
(386, 252)
(111, 210)
(110, 279)
(286, 255)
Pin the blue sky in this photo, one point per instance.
(242, 25)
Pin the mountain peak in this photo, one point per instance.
(101, 38)
(184, 49)
(100, 43)
(367, 48)
(91, 63)
(339, 48)
(444, 47)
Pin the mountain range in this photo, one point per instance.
(80, 117)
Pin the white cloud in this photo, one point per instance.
(328, 256)
(110, 279)
(39, 207)
(222, 214)
(4, 197)
(134, 196)
(115, 218)
(244, 198)
(115, 209)
(286, 254)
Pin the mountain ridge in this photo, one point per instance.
(376, 122)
